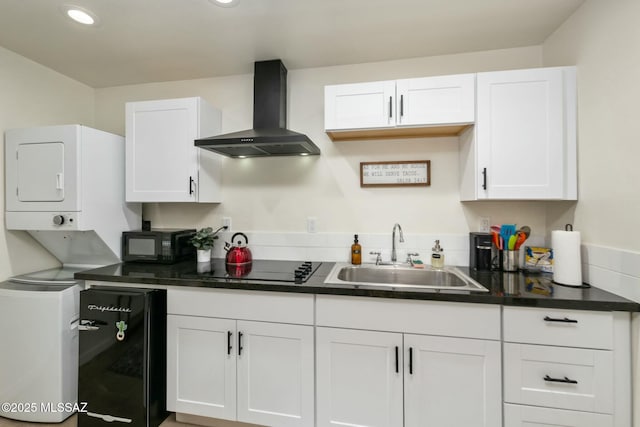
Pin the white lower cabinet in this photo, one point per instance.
(253, 372)
(275, 374)
(566, 368)
(403, 376)
(250, 371)
(445, 374)
(370, 378)
(359, 378)
(201, 370)
(393, 363)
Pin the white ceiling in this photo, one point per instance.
(141, 41)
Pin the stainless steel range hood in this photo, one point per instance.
(269, 136)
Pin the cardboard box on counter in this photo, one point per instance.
(538, 258)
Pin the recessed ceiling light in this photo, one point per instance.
(225, 3)
(80, 15)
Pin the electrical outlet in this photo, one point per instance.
(312, 223)
(485, 224)
(227, 221)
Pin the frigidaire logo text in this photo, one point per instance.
(110, 308)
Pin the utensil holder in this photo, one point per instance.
(510, 260)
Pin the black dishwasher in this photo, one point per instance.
(122, 373)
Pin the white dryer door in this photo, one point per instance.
(41, 172)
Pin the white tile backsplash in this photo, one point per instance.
(612, 269)
(336, 247)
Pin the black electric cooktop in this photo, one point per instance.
(260, 270)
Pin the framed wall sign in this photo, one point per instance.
(401, 173)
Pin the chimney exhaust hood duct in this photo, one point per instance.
(269, 136)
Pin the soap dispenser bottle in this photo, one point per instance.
(356, 251)
(437, 257)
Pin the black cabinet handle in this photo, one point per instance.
(565, 320)
(397, 363)
(410, 360)
(191, 181)
(484, 178)
(390, 107)
(239, 343)
(559, 380)
(401, 105)
(229, 346)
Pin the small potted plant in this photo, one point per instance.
(203, 241)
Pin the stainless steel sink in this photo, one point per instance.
(402, 277)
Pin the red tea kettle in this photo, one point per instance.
(238, 259)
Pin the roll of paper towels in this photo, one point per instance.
(567, 265)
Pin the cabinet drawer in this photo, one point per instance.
(279, 307)
(410, 316)
(559, 377)
(575, 328)
(531, 416)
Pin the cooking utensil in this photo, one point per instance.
(520, 239)
(526, 230)
(506, 231)
(511, 245)
(495, 233)
(496, 239)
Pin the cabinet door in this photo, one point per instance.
(161, 158)
(436, 100)
(360, 105)
(275, 374)
(443, 375)
(201, 366)
(522, 137)
(359, 376)
(533, 416)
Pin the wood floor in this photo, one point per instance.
(73, 422)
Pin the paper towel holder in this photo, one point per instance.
(569, 227)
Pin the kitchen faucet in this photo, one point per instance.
(394, 257)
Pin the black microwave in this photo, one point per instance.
(161, 246)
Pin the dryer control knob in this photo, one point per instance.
(58, 220)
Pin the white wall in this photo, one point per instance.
(603, 40)
(32, 95)
(278, 194)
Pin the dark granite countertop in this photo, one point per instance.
(511, 289)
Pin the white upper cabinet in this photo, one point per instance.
(162, 162)
(400, 108)
(360, 105)
(436, 100)
(523, 145)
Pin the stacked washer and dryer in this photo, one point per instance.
(64, 185)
